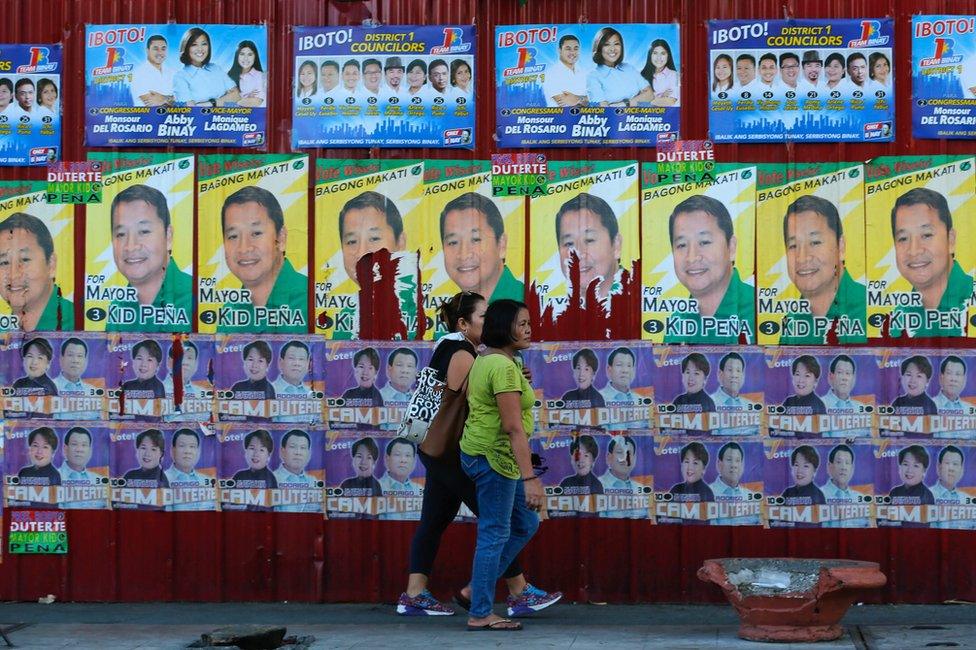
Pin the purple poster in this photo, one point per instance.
(51, 465)
(709, 391)
(59, 375)
(372, 475)
(189, 363)
(820, 483)
(136, 375)
(708, 481)
(136, 467)
(597, 474)
(603, 386)
(191, 467)
(276, 378)
(820, 393)
(368, 385)
(271, 467)
(926, 393)
(924, 483)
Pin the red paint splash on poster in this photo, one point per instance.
(380, 314)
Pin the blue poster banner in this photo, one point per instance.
(813, 80)
(30, 104)
(944, 77)
(173, 84)
(587, 85)
(390, 86)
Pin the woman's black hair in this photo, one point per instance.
(499, 321)
(235, 69)
(460, 306)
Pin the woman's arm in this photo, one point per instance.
(510, 410)
(458, 368)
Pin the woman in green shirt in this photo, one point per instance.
(495, 455)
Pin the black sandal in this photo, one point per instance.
(501, 625)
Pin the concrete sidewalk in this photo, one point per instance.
(165, 625)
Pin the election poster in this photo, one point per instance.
(698, 252)
(821, 393)
(38, 295)
(810, 253)
(369, 386)
(269, 379)
(138, 365)
(708, 482)
(585, 243)
(37, 532)
(923, 393)
(176, 84)
(253, 260)
(475, 241)
(813, 80)
(271, 468)
(30, 104)
(187, 384)
(569, 375)
(821, 484)
(361, 207)
(136, 279)
(136, 467)
(56, 465)
(921, 246)
(57, 375)
(587, 84)
(713, 391)
(191, 467)
(944, 76)
(384, 86)
(372, 475)
(596, 474)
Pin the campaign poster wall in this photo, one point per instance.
(925, 393)
(943, 77)
(191, 467)
(190, 366)
(921, 245)
(57, 375)
(176, 84)
(709, 391)
(270, 379)
(697, 255)
(596, 474)
(384, 86)
(810, 252)
(821, 393)
(593, 386)
(30, 104)
(475, 242)
(369, 386)
(587, 84)
(271, 468)
(708, 482)
(56, 465)
(362, 206)
(820, 484)
(813, 80)
(926, 484)
(372, 475)
(32, 299)
(590, 208)
(137, 373)
(136, 467)
(138, 271)
(253, 259)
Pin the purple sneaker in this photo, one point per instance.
(423, 604)
(531, 600)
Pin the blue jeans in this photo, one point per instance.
(505, 525)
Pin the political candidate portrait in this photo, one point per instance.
(693, 488)
(913, 463)
(565, 80)
(804, 461)
(369, 222)
(916, 373)
(587, 228)
(256, 357)
(703, 249)
(69, 382)
(585, 367)
(149, 447)
(152, 81)
(805, 373)
(146, 357)
(726, 487)
(583, 452)
(295, 452)
(695, 369)
(28, 275)
(363, 483)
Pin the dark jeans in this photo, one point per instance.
(446, 487)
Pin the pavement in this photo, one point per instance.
(117, 626)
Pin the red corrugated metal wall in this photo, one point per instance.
(146, 556)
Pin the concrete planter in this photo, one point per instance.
(791, 599)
